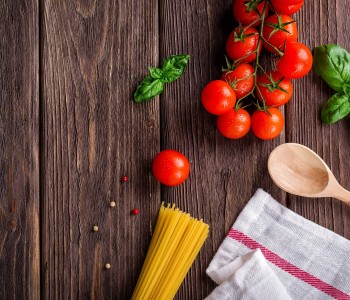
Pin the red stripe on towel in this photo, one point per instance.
(287, 266)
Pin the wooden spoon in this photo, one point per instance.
(299, 170)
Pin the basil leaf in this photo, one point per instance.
(332, 63)
(174, 66)
(156, 73)
(336, 108)
(148, 89)
(346, 89)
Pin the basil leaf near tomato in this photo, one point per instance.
(149, 88)
(336, 108)
(332, 63)
(174, 66)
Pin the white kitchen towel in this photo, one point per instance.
(247, 277)
(309, 261)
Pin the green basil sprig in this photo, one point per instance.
(332, 63)
(336, 108)
(172, 69)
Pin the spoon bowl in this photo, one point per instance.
(300, 171)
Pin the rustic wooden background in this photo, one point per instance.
(69, 131)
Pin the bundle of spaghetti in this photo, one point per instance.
(175, 243)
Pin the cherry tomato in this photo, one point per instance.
(267, 126)
(245, 15)
(218, 97)
(241, 79)
(234, 124)
(296, 61)
(278, 30)
(170, 167)
(241, 44)
(286, 9)
(274, 88)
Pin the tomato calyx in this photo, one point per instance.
(229, 66)
(233, 83)
(264, 107)
(242, 79)
(240, 36)
(239, 105)
(229, 69)
(252, 5)
(279, 26)
(274, 84)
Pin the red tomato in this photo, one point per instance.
(241, 79)
(286, 9)
(234, 124)
(245, 17)
(170, 167)
(241, 45)
(274, 88)
(267, 126)
(296, 61)
(278, 30)
(218, 97)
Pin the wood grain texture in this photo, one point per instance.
(93, 58)
(326, 23)
(19, 150)
(224, 173)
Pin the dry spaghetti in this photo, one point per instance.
(175, 244)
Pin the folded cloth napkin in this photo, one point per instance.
(247, 277)
(273, 253)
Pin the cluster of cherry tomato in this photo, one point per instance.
(277, 33)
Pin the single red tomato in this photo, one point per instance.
(218, 97)
(241, 79)
(245, 13)
(274, 88)
(286, 9)
(242, 43)
(170, 167)
(296, 61)
(267, 125)
(234, 124)
(278, 30)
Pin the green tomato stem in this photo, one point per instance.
(257, 53)
(257, 64)
(279, 52)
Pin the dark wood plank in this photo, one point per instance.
(94, 54)
(326, 22)
(224, 173)
(19, 150)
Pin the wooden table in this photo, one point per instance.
(69, 131)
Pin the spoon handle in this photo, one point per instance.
(343, 195)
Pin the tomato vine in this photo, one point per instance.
(277, 33)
